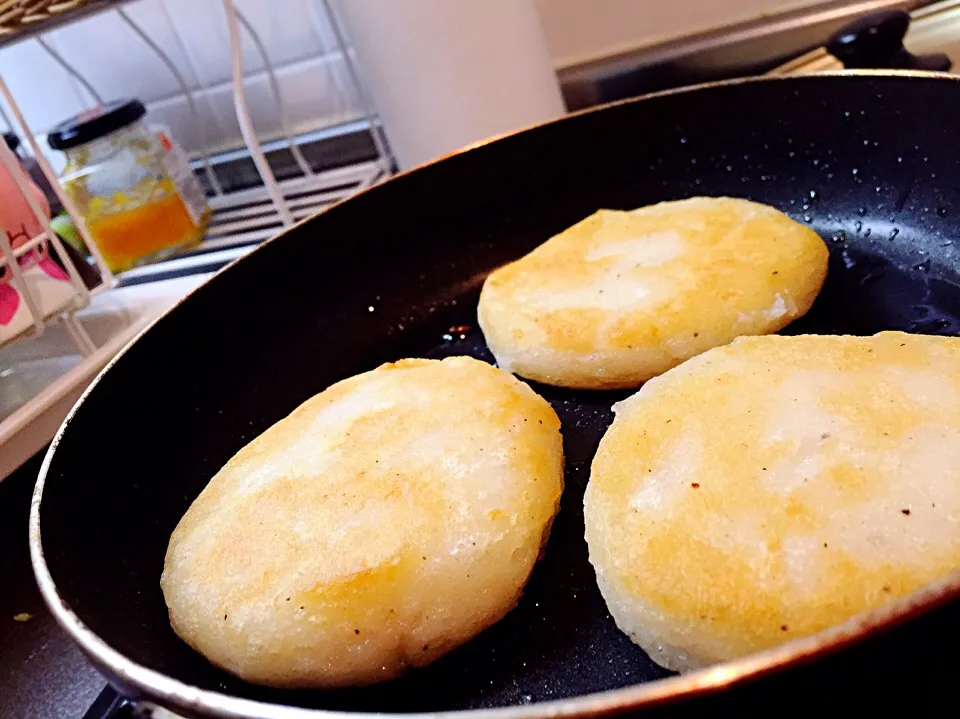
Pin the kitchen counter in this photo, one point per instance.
(42, 673)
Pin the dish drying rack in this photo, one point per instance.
(39, 310)
(241, 219)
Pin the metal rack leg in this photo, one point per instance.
(54, 181)
(366, 104)
(6, 250)
(246, 125)
(71, 70)
(79, 335)
(19, 176)
(277, 97)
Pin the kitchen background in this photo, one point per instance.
(434, 90)
(430, 94)
(600, 49)
(313, 79)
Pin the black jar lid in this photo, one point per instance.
(94, 123)
(13, 142)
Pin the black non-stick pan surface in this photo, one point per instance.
(871, 162)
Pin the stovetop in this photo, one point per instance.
(42, 672)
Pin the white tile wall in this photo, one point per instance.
(313, 82)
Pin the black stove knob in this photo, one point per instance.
(876, 41)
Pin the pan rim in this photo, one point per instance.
(158, 687)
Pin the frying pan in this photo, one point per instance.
(870, 160)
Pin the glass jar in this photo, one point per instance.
(137, 194)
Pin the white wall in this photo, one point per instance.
(314, 84)
(579, 30)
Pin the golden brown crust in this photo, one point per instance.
(384, 522)
(775, 487)
(623, 296)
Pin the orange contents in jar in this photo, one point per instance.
(127, 236)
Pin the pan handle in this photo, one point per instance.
(875, 41)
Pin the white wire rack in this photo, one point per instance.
(42, 377)
(240, 220)
(39, 308)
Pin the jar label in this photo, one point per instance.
(188, 187)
